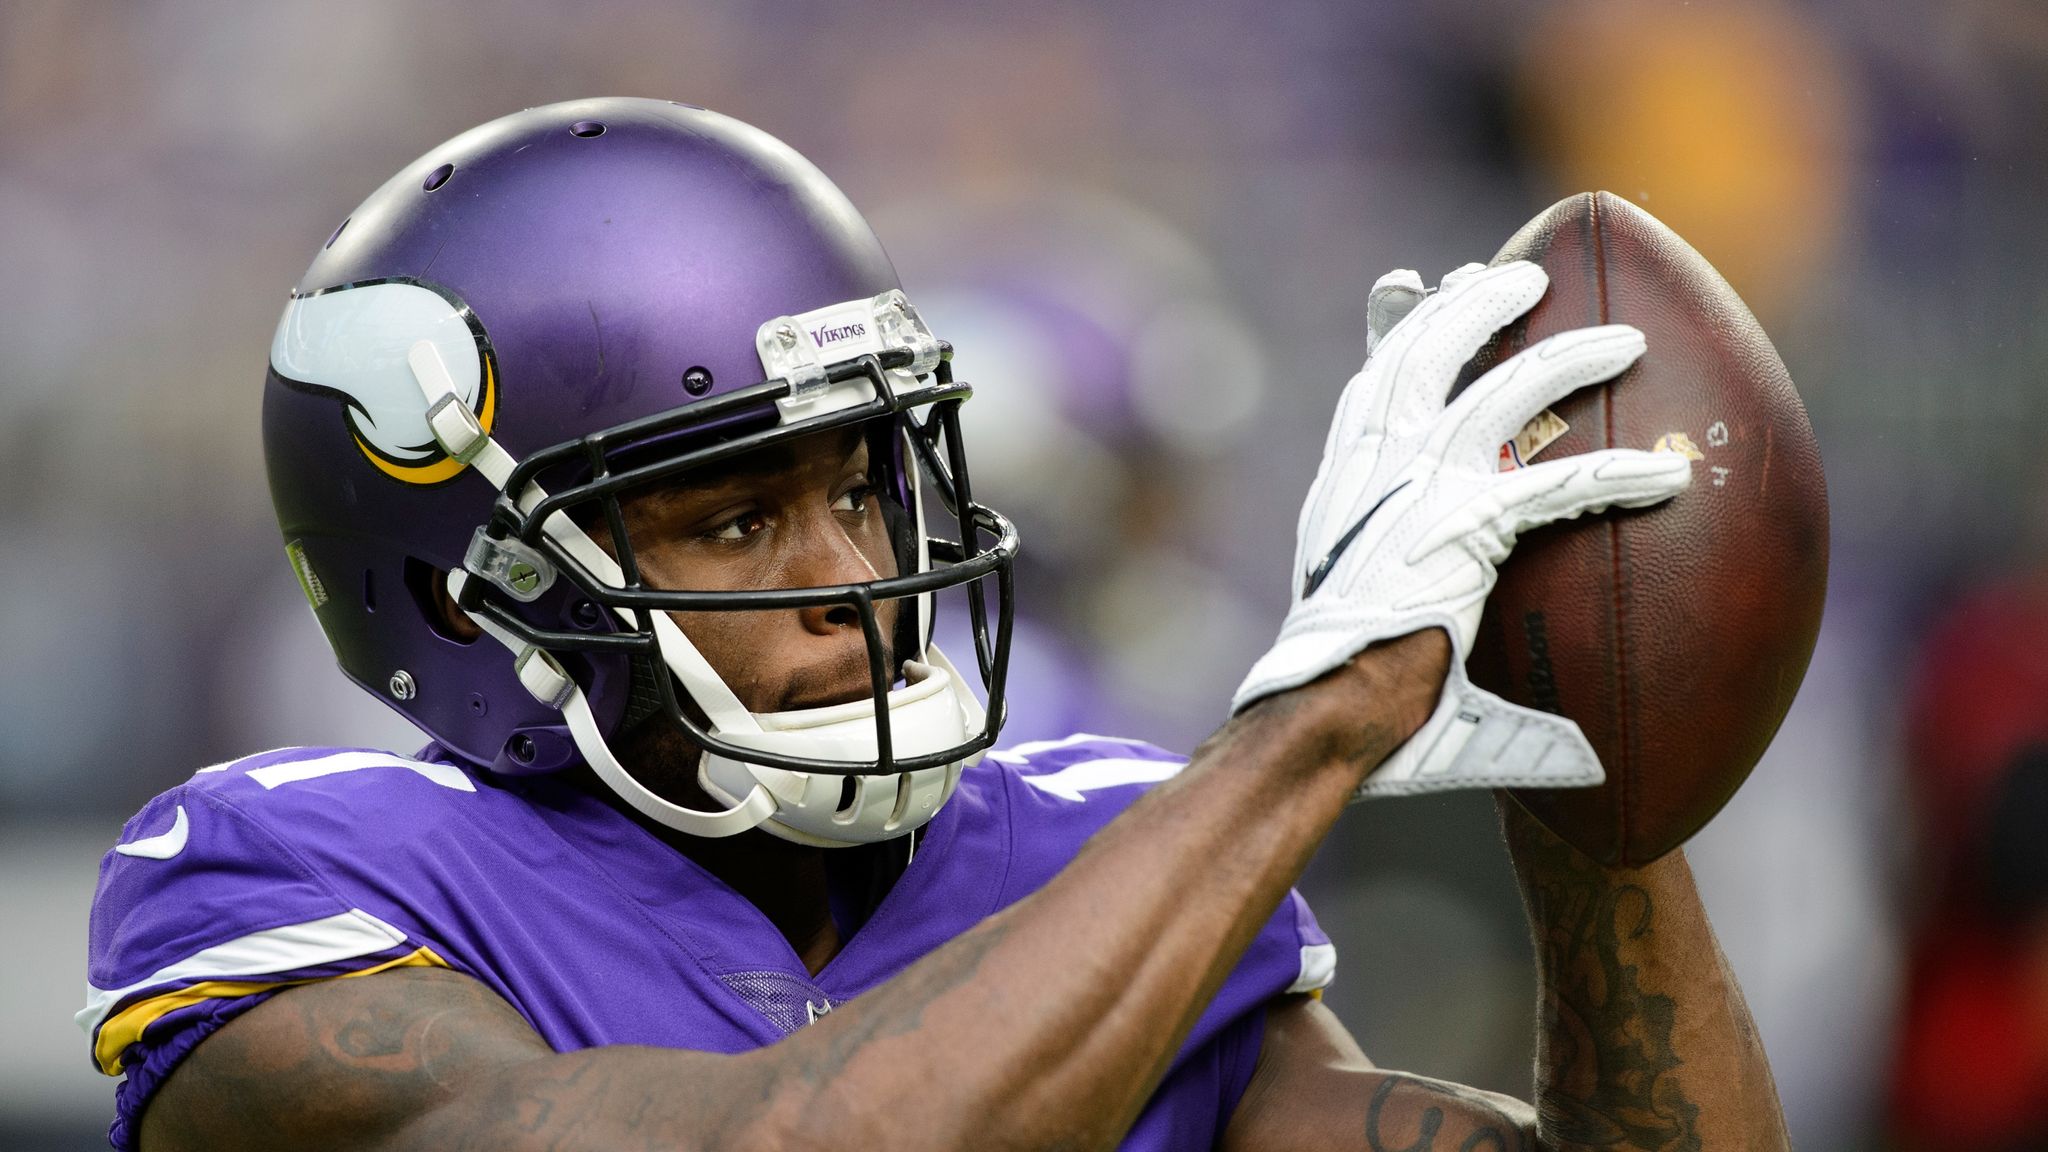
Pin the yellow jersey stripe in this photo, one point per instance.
(353, 935)
(127, 1026)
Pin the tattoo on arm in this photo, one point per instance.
(898, 1007)
(336, 1063)
(1406, 1114)
(1609, 1063)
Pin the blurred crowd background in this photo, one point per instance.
(1149, 230)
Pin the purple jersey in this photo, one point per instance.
(316, 863)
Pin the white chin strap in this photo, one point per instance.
(932, 711)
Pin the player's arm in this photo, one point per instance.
(1315, 1089)
(1048, 1024)
(1645, 1041)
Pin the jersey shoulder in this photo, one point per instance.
(1057, 793)
(1019, 814)
(321, 776)
(227, 880)
(345, 807)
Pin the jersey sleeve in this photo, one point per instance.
(201, 913)
(1066, 790)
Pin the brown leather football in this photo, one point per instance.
(1675, 636)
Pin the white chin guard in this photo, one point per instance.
(933, 711)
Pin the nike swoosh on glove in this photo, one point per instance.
(1408, 518)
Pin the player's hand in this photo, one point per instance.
(1409, 516)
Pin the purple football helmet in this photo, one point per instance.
(556, 307)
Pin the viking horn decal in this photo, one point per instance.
(351, 343)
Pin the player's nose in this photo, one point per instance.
(830, 557)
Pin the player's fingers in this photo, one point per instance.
(1459, 275)
(1422, 356)
(1591, 482)
(1393, 297)
(1498, 404)
(1311, 513)
(1397, 294)
(1556, 490)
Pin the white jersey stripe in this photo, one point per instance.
(1090, 775)
(1030, 748)
(270, 776)
(341, 937)
(1318, 968)
(224, 765)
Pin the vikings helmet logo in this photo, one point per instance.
(351, 342)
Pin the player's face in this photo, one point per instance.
(798, 515)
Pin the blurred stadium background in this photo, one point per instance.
(1149, 229)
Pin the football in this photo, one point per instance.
(1675, 636)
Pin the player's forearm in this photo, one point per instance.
(1644, 1040)
(1053, 1021)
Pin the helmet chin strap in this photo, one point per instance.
(543, 676)
(463, 438)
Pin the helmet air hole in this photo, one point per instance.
(521, 748)
(427, 587)
(586, 129)
(849, 790)
(438, 177)
(697, 381)
(369, 590)
(337, 233)
(902, 809)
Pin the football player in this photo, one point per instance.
(608, 450)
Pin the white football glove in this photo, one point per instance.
(1408, 517)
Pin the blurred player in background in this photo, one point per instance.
(608, 450)
(1971, 1070)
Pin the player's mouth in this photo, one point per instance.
(839, 679)
(825, 700)
(839, 689)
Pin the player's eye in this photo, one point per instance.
(855, 499)
(739, 527)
